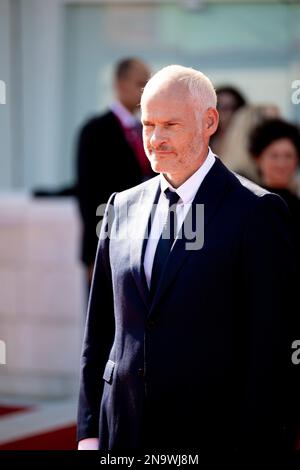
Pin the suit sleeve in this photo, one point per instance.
(98, 336)
(269, 412)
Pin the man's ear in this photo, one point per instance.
(211, 121)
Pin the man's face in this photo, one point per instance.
(130, 87)
(174, 140)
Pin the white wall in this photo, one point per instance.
(41, 68)
(42, 297)
(5, 109)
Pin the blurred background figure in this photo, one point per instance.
(110, 151)
(230, 99)
(275, 147)
(235, 152)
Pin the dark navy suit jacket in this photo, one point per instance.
(206, 362)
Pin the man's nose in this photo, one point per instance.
(157, 137)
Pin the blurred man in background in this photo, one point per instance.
(110, 154)
(229, 100)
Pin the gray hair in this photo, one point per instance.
(199, 85)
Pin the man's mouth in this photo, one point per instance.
(161, 152)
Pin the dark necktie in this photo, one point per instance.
(165, 241)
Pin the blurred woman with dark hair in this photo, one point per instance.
(275, 147)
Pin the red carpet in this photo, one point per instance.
(8, 409)
(59, 439)
(54, 437)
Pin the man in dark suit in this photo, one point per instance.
(199, 353)
(110, 155)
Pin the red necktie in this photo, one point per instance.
(134, 138)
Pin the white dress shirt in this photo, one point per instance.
(187, 191)
(127, 119)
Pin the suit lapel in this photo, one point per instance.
(141, 227)
(210, 194)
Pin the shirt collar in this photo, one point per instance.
(187, 191)
(127, 119)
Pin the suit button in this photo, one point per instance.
(140, 372)
(151, 323)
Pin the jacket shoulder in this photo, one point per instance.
(102, 121)
(243, 196)
(132, 194)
